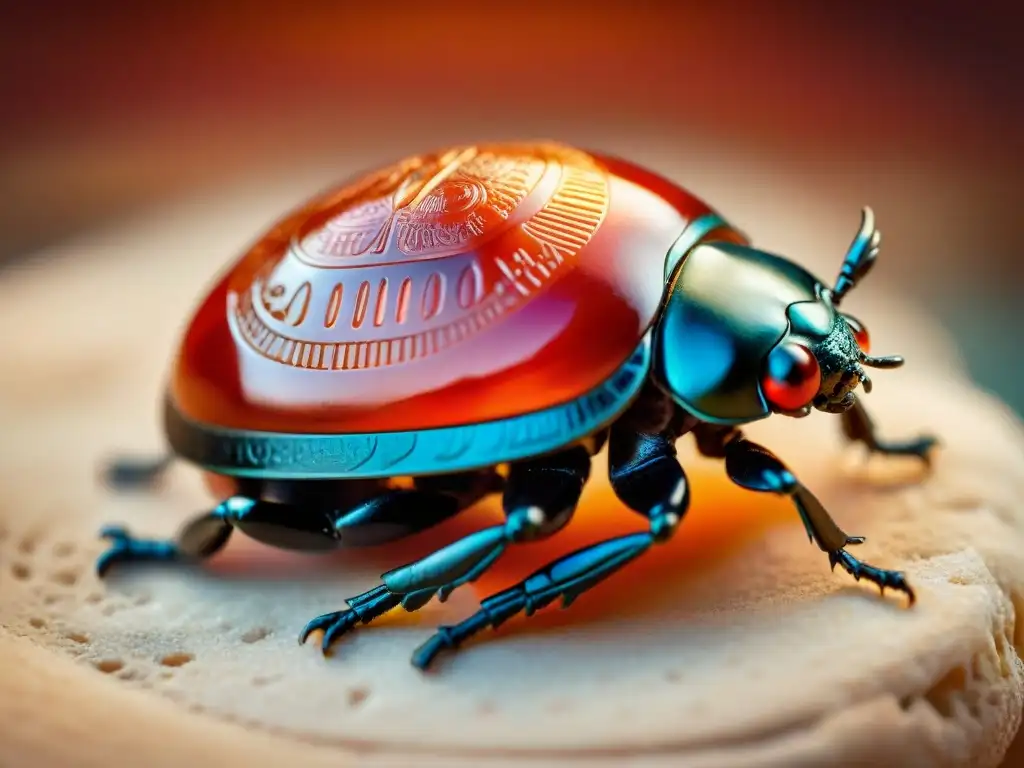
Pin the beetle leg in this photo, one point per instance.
(647, 477)
(755, 468)
(859, 427)
(540, 497)
(306, 527)
(200, 538)
(132, 473)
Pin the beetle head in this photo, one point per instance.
(745, 333)
(821, 359)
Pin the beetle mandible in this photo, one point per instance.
(483, 320)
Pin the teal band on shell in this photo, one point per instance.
(273, 455)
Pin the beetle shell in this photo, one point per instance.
(463, 286)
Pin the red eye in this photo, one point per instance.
(791, 377)
(860, 333)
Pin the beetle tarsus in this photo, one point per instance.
(755, 468)
(198, 539)
(364, 609)
(126, 549)
(567, 578)
(540, 496)
(882, 578)
(858, 426)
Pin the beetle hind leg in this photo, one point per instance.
(311, 523)
(540, 496)
(131, 473)
(200, 538)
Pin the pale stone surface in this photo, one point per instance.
(742, 650)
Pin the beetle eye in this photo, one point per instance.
(791, 377)
(860, 333)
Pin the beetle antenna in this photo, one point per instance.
(860, 256)
(892, 361)
(865, 381)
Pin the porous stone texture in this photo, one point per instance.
(734, 645)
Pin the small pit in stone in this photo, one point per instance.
(109, 666)
(20, 571)
(356, 696)
(63, 549)
(36, 623)
(66, 578)
(255, 634)
(77, 637)
(176, 659)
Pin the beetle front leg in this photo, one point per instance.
(859, 427)
(754, 467)
(540, 497)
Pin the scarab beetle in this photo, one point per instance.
(483, 320)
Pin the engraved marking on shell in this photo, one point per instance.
(465, 297)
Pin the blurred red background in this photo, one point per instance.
(915, 108)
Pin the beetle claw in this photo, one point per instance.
(126, 549)
(334, 625)
(879, 576)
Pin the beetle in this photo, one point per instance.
(484, 319)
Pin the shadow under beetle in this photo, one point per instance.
(483, 320)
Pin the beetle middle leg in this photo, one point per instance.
(647, 477)
(540, 497)
(755, 468)
(859, 427)
(308, 516)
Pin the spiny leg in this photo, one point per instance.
(198, 539)
(647, 477)
(540, 497)
(859, 427)
(302, 526)
(122, 474)
(754, 467)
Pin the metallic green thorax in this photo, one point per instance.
(725, 310)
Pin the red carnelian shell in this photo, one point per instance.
(465, 285)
